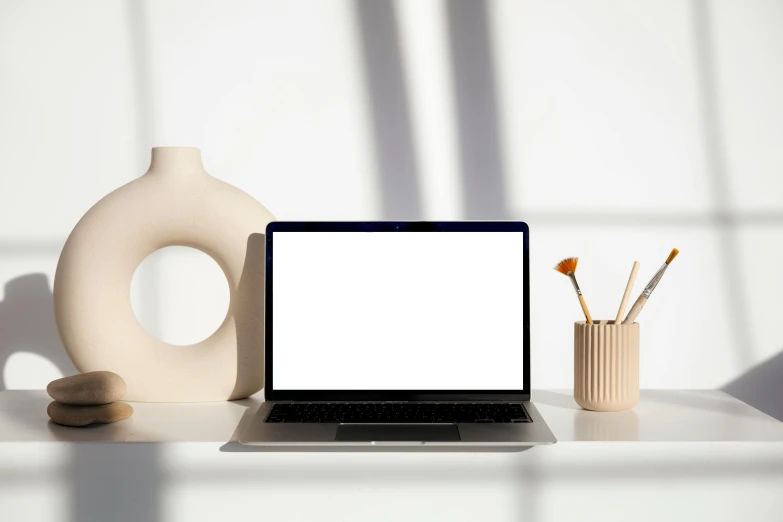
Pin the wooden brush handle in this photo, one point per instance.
(627, 293)
(635, 309)
(584, 309)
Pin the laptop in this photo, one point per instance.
(397, 333)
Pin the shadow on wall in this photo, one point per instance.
(475, 92)
(481, 168)
(761, 386)
(383, 69)
(27, 323)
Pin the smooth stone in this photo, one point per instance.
(70, 415)
(89, 388)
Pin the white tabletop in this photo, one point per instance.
(660, 416)
(663, 463)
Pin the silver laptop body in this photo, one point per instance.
(390, 316)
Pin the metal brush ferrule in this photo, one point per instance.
(654, 281)
(576, 285)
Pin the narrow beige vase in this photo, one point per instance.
(175, 203)
(606, 366)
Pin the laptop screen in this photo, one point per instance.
(389, 310)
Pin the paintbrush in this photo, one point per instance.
(639, 304)
(568, 267)
(627, 294)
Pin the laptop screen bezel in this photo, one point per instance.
(271, 394)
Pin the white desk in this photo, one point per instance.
(679, 455)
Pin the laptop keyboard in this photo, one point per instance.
(397, 412)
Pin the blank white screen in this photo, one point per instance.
(398, 310)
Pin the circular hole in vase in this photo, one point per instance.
(180, 295)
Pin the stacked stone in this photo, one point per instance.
(88, 398)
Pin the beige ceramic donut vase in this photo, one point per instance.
(175, 203)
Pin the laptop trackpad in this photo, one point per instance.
(397, 432)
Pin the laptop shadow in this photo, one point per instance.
(236, 447)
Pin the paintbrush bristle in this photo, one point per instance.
(672, 256)
(567, 265)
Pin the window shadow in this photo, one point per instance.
(384, 74)
(718, 172)
(473, 78)
(475, 94)
(119, 482)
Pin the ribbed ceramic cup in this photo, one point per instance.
(606, 366)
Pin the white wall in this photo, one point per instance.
(617, 130)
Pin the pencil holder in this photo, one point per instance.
(606, 366)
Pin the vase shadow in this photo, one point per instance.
(249, 319)
(27, 324)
